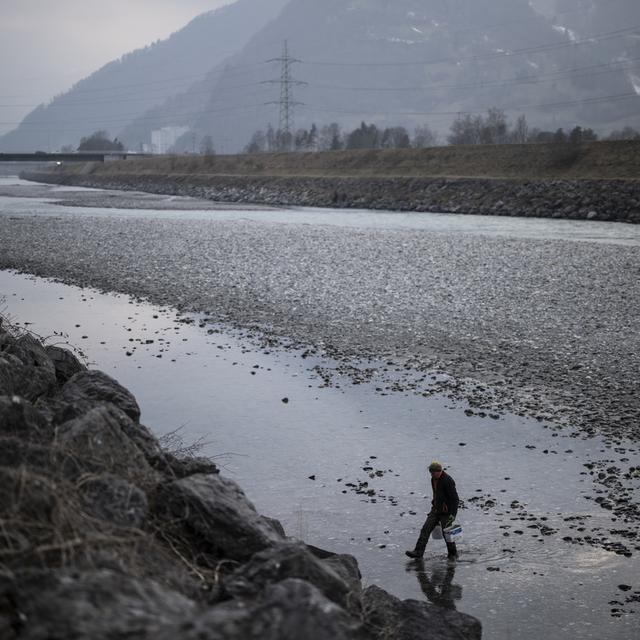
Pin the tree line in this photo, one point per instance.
(491, 128)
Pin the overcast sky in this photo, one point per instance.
(47, 45)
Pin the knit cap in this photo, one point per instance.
(435, 466)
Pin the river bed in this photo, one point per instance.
(302, 445)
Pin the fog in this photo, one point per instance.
(48, 46)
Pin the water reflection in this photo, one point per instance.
(437, 583)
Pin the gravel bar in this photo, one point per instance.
(544, 328)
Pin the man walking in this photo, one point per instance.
(444, 508)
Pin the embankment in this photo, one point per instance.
(597, 181)
(105, 534)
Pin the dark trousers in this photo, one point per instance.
(433, 520)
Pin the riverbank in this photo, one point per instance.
(543, 328)
(105, 533)
(592, 181)
(610, 200)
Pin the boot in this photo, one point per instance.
(452, 552)
(413, 554)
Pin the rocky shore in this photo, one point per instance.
(106, 534)
(582, 199)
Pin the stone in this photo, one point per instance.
(17, 378)
(178, 467)
(114, 500)
(386, 616)
(65, 363)
(100, 604)
(288, 560)
(344, 565)
(20, 418)
(90, 388)
(37, 375)
(289, 610)
(213, 515)
(16, 453)
(99, 442)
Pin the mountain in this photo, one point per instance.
(413, 62)
(407, 63)
(124, 89)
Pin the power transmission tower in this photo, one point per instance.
(286, 102)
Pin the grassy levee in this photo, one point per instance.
(593, 161)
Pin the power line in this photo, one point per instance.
(491, 56)
(608, 67)
(565, 103)
(534, 78)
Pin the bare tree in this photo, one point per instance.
(424, 137)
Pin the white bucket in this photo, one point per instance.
(453, 533)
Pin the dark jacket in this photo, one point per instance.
(445, 497)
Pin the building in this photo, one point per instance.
(163, 139)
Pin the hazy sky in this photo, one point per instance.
(47, 45)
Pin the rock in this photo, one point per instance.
(16, 378)
(114, 500)
(101, 605)
(386, 616)
(90, 388)
(99, 442)
(37, 376)
(344, 565)
(182, 467)
(19, 417)
(276, 525)
(16, 453)
(30, 513)
(10, 372)
(289, 610)
(592, 215)
(65, 363)
(288, 560)
(213, 515)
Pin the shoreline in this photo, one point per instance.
(116, 535)
(573, 199)
(544, 329)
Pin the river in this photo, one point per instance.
(302, 445)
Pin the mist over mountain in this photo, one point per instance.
(124, 89)
(406, 63)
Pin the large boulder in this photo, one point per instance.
(180, 467)
(65, 363)
(290, 560)
(88, 389)
(289, 610)
(32, 515)
(386, 616)
(18, 417)
(344, 565)
(114, 500)
(45, 460)
(11, 374)
(98, 440)
(30, 371)
(213, 516)
(101, 605)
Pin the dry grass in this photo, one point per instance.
(595, 160)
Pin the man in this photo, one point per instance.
(444, 508)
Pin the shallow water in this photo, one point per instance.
(502, 226)
(219, 385)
